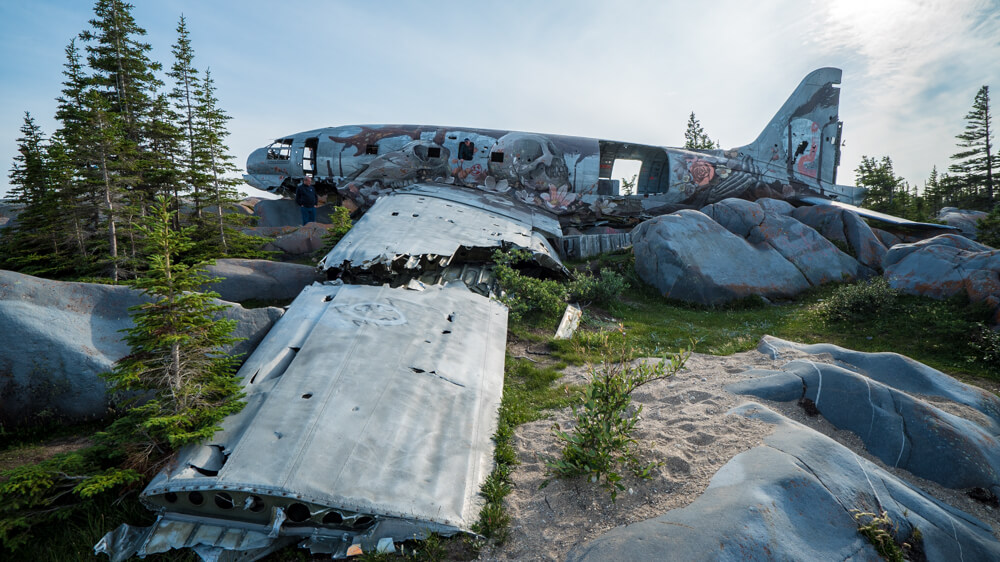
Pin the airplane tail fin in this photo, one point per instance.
(802, 140)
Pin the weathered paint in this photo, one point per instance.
(796, 155)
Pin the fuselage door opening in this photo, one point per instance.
(309, 156)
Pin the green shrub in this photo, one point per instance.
(341, 220)
(859, 301)
(527, 297)
(603, 289)
(601, 443)
(985, 346)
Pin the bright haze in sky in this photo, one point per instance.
(628, 71)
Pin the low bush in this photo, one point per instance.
(858, 301)
(984, 344)
(526, 297)
(607, 286)
(601, 443)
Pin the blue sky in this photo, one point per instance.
(629, 71)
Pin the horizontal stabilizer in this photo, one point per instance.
(877, 216)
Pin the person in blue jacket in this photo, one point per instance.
(305, 198)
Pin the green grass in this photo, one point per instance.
(921, 328)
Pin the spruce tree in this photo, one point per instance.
(695, 137)
(187, 87)
(124, 76)
(216, 163)
(32, 244)
(886, 192)
(176, 359)
(84, 202)
(975, 164)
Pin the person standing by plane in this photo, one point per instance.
(305, 198)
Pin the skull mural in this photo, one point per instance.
(529, 160)
(416, 160)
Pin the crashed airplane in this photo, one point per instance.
(372, 402)
(794, 158)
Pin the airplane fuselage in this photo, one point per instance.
(795, 156)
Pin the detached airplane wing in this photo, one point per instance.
(894, 221)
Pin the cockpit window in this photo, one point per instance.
(280, 149)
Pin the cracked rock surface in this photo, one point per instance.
(702, 256)
(792, 499)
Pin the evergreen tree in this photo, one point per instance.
(187, 87)
(84, 204)
(695, 137)
(215, 162)
(124, 76)
(886, 192)
(102, 145)
(975, 164)
(176, 359)
(988, 228)
(32, 242)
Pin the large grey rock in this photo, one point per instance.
(816, 257)
(888, 239)
(688, 256)
(962, 219)
(902, 431)
(242, 280)
(284, 212)
(846, 227)
(776, 206)
(895, 370)
(791, 499)
(301, 241)
(945, 266)
(59, 336)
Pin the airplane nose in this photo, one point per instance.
(257, 161)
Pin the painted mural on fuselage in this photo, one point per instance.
(558, 173)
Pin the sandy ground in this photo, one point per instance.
(684, 426)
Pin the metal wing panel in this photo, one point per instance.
(388, 408)
(435, 222)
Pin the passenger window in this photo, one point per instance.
(371, 149)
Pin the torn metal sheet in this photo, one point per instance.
(427, 228)
(370, 413)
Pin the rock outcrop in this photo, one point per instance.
(737, 248)
(819, 260)
(242, 280)
(945, 266)
(59, 336)
(846, 228)
(792, 499)
(964, 220)
(301, 241)
(688, 256)
(284, 212)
